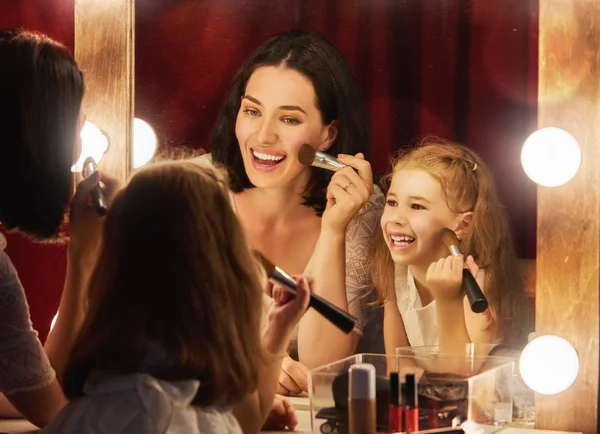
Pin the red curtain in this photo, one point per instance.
(41, 267)
(460, 69)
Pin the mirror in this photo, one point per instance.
(462, 70)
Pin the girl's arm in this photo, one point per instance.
(287, 310)
(394, 332)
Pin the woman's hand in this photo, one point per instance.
(85, 225)
(444, 277)
(348, 191)
(282, 415)
(293, 377)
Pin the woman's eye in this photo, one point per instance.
(251, 112)
(291, 121)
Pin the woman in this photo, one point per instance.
(41, 89)
(294, 89)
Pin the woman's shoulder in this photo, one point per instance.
(366, 220)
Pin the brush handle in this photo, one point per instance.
(342, 320)
(475, 295)
(339, 318)
(99, 201)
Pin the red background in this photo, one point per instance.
(461, 69)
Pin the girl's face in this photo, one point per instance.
(415, 212)
(278, 114)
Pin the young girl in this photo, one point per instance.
(171, 341)
(445, 185)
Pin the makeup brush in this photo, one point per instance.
(342, 320)
(98, 198)
(309, 156)
(476, 298)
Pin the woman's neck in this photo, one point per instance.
(271, 207)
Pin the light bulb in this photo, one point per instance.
(549, 364)
(144, 142)
(94, 143)
(551, 157)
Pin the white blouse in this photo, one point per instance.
(24, 365)
(140, 404)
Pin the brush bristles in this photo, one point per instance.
(449, 238)
(306, 155)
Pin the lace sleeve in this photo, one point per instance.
(359, 251)
(23, 363)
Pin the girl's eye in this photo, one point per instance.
(416, 206)
(391, 202)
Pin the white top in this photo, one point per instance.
(420, 322)
(359, 243)
(24, 365)
(141, 404)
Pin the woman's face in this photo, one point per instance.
(278, 114)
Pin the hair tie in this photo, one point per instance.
(474, 166)
(220, 183)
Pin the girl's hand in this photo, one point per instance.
(444, 277)
(85, 225)
(288, 308)
(348, 191)
(282, 415)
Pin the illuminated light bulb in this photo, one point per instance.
(94, 143)
(144, 142)
(549, 364)
(551, 157)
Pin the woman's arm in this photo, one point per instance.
(38, 406)
(341, 262)
(85, 228)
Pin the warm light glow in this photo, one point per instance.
(53, 321)
(144, 142)
(549, 364)
(94, 143)
(551, 157)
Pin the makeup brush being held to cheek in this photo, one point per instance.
(474, 293)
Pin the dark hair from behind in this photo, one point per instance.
(41, 89)
(337, 98)
(175, 276)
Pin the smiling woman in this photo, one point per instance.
(297, 89)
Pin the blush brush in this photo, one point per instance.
(309, 156)
(474, 293)
(342, 320)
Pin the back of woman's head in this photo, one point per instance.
(337, 98)
(41, 89)
(175, 275)
(469, 186)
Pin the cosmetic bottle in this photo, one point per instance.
(362, 411)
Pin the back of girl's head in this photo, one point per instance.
(469, 186)
(41, 90)
(174, 275)
(337, 98)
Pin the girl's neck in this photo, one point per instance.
(419, 272)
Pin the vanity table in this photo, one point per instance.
(20, 426)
